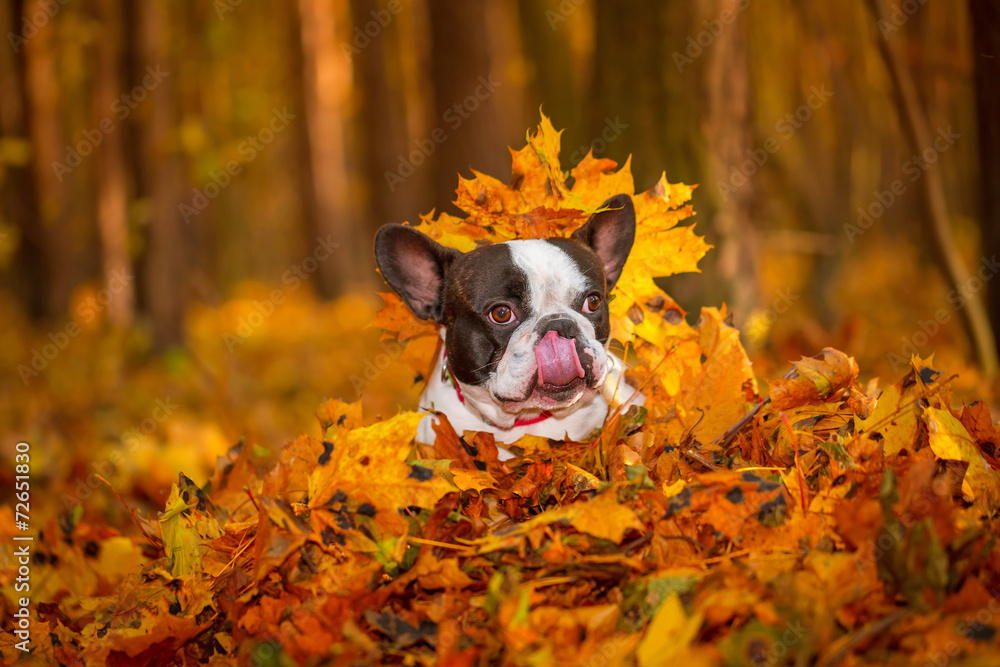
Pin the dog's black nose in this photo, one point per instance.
(561, 324)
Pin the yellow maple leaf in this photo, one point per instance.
(184, 530)
(951, 441)
(713, 378)
(369, 465)
(668, 638)
(396, 317)
(479, 480)
(595, 180)
(895, 417)
(451, 231)
(535, 168)
(603, 517)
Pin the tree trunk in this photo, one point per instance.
(463, 98)
(304, 184)
(327, 80)
(29, 271)
(629, 84)
(58, 236)
(112, 221)
(652, 105)
(984, 15)
(557, 81)
(729, 134)
(385, 128)
(167, 264)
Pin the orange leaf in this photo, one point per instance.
(816, 379)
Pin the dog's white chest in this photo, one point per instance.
(578, 425)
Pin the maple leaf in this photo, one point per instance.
(156, 638)
(397, 317)
(895, 418)
(977, 420)
(951, 441)
(814, 379)
(185, 526)
(603, 517)
(369, 464)
(669, 637)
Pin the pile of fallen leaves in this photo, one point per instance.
(827, 524)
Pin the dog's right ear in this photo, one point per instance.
(415, 266)
(610, 234)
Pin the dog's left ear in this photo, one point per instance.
(610, 234)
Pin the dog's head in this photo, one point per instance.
(526, 322)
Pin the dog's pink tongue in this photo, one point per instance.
(558, 363)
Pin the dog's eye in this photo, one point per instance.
(592, 303)
(502, 314)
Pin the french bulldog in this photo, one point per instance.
(525, 326)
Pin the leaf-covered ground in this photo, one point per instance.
(816, 523)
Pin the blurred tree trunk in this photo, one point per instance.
(48, 141)
(17, 187)
(729, 133)
(825, 189)
(984, 16)
(386, 140)
(629, 94)
(546, 45)
(167, 265)
(327, 79)
(463, 106)
(652, 105)
(687, 109)
(112, 222)
(304, 178)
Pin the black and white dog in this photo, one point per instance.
(525, 326)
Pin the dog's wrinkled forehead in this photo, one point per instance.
(537, 275)
(558, 271)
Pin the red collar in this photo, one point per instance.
(446, 372)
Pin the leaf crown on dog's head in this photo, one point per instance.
(541, 203)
